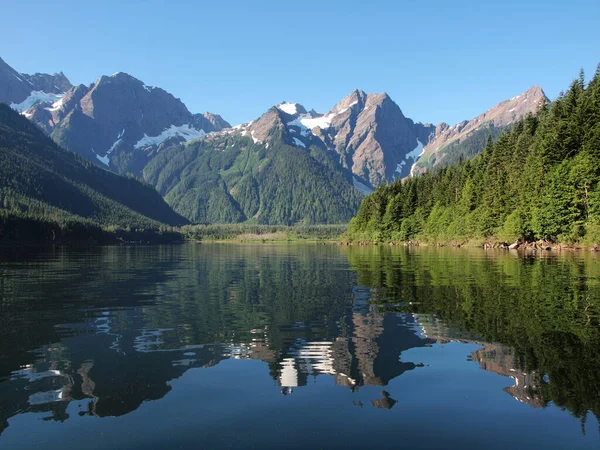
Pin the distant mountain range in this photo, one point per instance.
(288, 166)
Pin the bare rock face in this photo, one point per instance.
(265, 125)
(57, 83)
(373, 137)
(500, 115)
(212, 122)
(119, 121)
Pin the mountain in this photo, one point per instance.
(256, 173)
(21, 91)
(467, 138)
(253, 171)
(121, 122)
(368, 132)
(209, 171)
(40, 180)
(117, 122)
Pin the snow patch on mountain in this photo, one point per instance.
(36, 97)
(415, 155)
(317, 122)
(306, 122)
(106, 159)
(288, 108)
(362, 188)
(399, 166)
(56, 105)
(299, 143)
(103, 159)
(185, 131)
(416, 152)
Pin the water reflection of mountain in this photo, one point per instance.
(369, 355)
(106, 374)
(115, 364)
(123, 322)
(110, 372)
(492, 357)
(131, 320)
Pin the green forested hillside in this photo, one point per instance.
(226, 179)
(40, 181)
(540, 180)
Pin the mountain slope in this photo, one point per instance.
(466, 139)
(252, 173)
(39, 178)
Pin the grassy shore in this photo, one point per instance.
(263, 233)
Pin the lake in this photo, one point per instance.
(297, 345)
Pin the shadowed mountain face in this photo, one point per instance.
(21, 90)
(38, 179)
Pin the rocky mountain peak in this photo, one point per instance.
(121, 122)
(292, 109)
(22, 91)
(57, 83)
(274, 119)
(216, 121)
(356, 97)
(501, 115)
(14, 89)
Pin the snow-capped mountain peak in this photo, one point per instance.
(288, 108)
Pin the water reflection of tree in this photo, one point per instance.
(544, 308)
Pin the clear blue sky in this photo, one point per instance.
(439, 60)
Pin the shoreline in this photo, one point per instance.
(485, 244)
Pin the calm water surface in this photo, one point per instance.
(303, 345)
